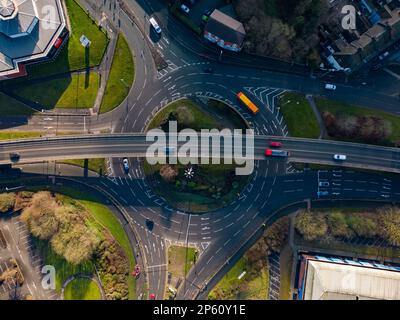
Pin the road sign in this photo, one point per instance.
(85, 41)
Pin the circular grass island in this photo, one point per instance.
(212, 186)
(82, 289)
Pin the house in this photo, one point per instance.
(225, 31)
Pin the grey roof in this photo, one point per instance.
(225, 27)
(29, 32)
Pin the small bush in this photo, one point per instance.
(7, 201)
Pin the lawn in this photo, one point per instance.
(62, 267)
(200, 119)
(121, 76)
(337, 107)
(249, 287)
(107, 219)
(73, 55)
(97, 165)
(10, 135)
(286, 263)
(12, 107)
(82, 289)
(180, 260)
(299, 116)
(76, 91)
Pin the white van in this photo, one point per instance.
(330, 86)
(155, 25)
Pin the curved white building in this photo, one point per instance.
(29, 30)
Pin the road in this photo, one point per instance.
(301, 150)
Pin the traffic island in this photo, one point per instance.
(197, 187)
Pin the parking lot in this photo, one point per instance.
(19, 246)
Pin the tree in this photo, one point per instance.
(389, 219)
(40, 215)
(168, 173)
(311, 226)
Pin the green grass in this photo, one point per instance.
(82, 289)
(73, 55)
(247, 288)
(97, 165)
(121, 76)
(10, 135)
(107, 219)
(180, 260)
(202, 119)
(286, 263)
(12, 107)
(337, 107)
(299, 116)
(62, 267)
(78, 91)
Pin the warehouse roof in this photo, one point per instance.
(330, 281)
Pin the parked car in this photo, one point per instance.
(185, 8)
(340, 157)
(275, 144)
(208, 70)
(152, 296)
(383, 55)
(322, 193)
(323, 184)
(330, 86)
(125, 164)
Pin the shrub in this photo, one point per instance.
(389, 218)
(7, 201)
(311, 226)
(337, 225)
(363, 225)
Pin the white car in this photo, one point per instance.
(125, 163)
(185, 9)
(330, 86)
(155, 25)
(340, 157)
(323, 184)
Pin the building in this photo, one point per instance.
(334, 278)
(368, 45)
(225, 31)
(30, 31)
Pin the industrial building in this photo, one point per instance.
(335, 278)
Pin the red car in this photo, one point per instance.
(136, 272)
(152, 296)
(268, 152)
(58, 43)
(275, 144)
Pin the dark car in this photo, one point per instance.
(208, 70)
(149, 224)
(14, 156)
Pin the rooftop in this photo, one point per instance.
(28, 29)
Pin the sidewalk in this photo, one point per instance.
(321, 124)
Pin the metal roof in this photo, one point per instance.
(28, 29)
(331, 281)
